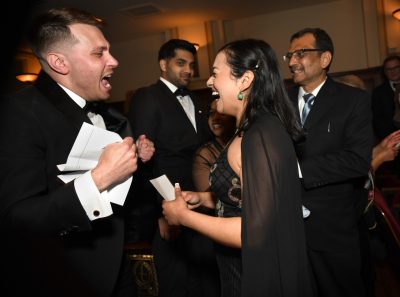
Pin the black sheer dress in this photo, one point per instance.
(273, 259)
(225, 185)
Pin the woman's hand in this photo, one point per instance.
(388, 148)
(175, 210)
(168, 232)
(193, 199)
(197, 199)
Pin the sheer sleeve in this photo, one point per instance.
(202, 162)
(273, 241)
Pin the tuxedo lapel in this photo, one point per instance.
(199, 114)
(114, 121)
(61, 101)
(180, 112)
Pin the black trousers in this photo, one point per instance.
(337, 274)
(186, 266)
(126, 285)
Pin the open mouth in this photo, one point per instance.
(216, 125)
(215, 95)
(105, 81)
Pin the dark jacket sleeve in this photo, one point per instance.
(341, 151)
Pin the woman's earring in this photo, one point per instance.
(240, 96)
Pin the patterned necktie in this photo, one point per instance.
(308, 102)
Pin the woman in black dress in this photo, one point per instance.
(255, 188)
(222, 127)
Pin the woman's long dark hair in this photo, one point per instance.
(268, 92)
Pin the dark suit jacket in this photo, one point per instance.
(383, 110)
(155, 112)
(49, 246)
(334, 160)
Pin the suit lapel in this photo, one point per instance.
(74, 113)
(61, 101)
(322, 104)
(178, 107)
(198, 113)
(293, 95)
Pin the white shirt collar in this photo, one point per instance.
(392, 83)
(170, 86)
(314, 92)
(77, 99)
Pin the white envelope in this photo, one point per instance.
(164, 187)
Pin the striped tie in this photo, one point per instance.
(309, 100)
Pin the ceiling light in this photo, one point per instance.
(396, 14)
(27, 77)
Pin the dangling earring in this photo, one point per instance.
(240, 96)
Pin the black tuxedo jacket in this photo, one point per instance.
(334, 160)
(383, 110)
(155, 112)
(49, 246)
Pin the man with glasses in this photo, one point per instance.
(334, 160)
(385, 105)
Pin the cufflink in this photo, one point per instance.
(96, 213)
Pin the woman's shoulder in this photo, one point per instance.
(209, 151)
(266, 127)
(266, 123)
(210, 146)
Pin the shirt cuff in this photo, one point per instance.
(95, 204)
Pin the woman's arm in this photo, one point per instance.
(201, 169)
(386, 150)
(225, 231)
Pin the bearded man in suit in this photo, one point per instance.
(334, 160)
(171, 116)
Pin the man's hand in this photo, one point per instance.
(145, 148)
(167, 231)
(117, 162)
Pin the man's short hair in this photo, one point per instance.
(167, 50)
(390, 58)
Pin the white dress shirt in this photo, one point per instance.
(185, 101)
(93, 202)
(301, 104)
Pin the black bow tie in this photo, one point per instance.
(94, 107)
(181, 92)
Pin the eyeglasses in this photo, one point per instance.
(395, 68)
(299, 54)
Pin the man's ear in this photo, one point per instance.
(326, 59)
(57, 62)
(163, 65)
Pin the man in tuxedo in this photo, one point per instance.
(170, 115)
(63, 239)
(334, 160)
(384, 103)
